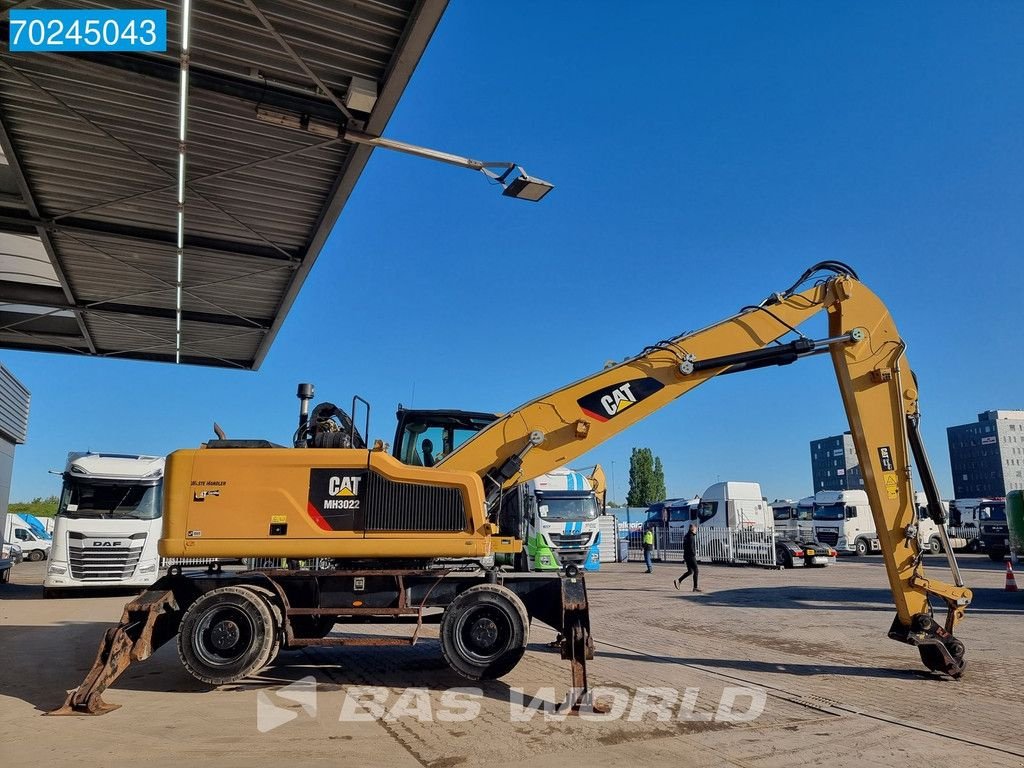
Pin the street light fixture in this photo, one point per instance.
(514, 179)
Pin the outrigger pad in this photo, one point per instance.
(148, 621)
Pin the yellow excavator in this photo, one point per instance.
(401, 540)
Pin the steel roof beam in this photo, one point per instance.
(244, 89)
(160, 237)
(53, 298)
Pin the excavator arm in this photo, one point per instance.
(879, 393)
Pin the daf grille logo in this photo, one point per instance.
(106, 543)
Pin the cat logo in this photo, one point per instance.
(343, 486)
(611, 401)
(619, 400)
(202, 495)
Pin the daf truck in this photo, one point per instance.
(562, 511)
(843, 520)
(108, 523)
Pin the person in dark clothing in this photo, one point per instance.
(690, 558)
(428, 453)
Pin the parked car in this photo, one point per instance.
(10, 555)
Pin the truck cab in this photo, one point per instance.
(561, 527)
(842, 519)
(793, 520)
(928, 535)
(108, 523)
(994, 530)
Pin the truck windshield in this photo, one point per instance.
(829, 512)
(568, 508)
(111, 502)
(992, 512)
(784, 513)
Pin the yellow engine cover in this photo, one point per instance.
(314, 502)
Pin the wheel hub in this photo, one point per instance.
(484, 633)
(224, 635)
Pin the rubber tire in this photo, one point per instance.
(495, 602)
(860, 547)
(271, 597)
(935, 545)
(260, 646)
(5, 576)
(997, 556)
(35, 555)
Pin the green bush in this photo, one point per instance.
(38, 506)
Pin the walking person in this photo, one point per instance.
(649, 548)
(690, 558)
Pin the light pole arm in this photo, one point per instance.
(358, 137)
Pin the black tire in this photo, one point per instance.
(484, 632)
(5, 576)
(35, 555)
(860, 547)
(227, 634)
(997, 555)
(935, 545)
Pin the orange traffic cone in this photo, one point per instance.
(1011, 583)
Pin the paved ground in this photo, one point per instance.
(810, 644)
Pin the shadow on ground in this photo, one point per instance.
(72, 647)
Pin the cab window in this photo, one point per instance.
(707, 510)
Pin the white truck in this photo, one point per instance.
(35, 545)
(842, 519)
(928, 530)
(793, 519)
(561, 522)
(107, 524)
(734, 522)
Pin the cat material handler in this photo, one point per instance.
(405, 539)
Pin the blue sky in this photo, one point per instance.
(704, 154)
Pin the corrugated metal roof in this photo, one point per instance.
(14, 405)
(88, 172)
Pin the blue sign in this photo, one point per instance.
(88, 31)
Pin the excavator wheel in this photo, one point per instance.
(227, 634)
(484, 632)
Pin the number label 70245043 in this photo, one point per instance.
(78, 31)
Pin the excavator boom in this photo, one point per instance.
(879, 393)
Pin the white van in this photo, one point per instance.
(842, 519)
(35, 545)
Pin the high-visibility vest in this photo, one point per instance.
(649, 537)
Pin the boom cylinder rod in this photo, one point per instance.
(931, 492)
(784, 354)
